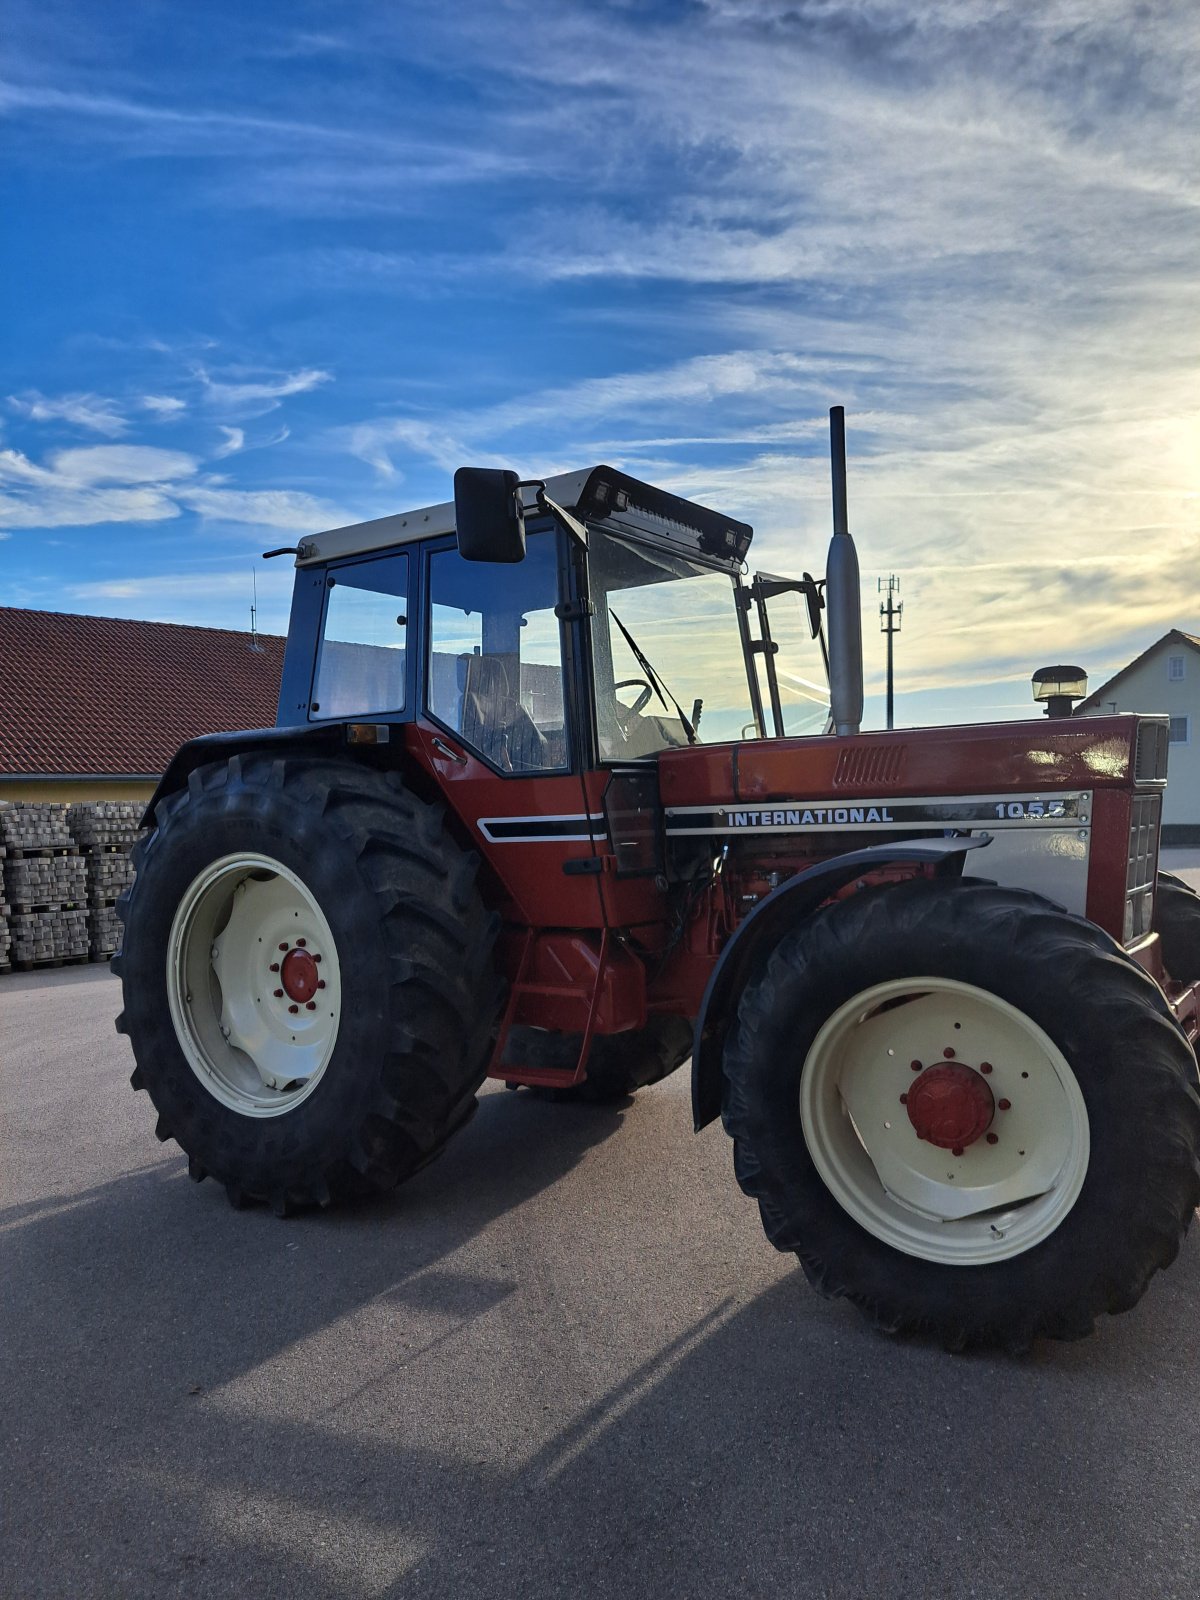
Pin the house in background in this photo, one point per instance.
(93, 708)
(1165, 678)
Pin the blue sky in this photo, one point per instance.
(270, 268)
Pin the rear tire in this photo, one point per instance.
(1098, 1032)
(619, 1064)
(288, 1086)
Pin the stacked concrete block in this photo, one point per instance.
(46, 881)
(62, 870)
(99, 824)
(39, 936)
(5, 935)
(106, 831)
(33, 825)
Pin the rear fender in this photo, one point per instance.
(220, 746)
(771, 918)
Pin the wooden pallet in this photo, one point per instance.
(21, 852)
(28, 964)
(21, 907)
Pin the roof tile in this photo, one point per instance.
(104, 696)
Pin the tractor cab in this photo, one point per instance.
(556, 626)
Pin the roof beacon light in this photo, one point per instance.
(1059, 687)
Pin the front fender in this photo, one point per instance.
(766, 925)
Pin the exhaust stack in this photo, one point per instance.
(842, 597)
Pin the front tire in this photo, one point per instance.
(1177, 923)
(307, 979)
(1047, 1059)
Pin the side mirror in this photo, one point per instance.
(488, 515)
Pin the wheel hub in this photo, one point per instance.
(254, 984)
(298, 974)
(950, 1105)
(943, 1160)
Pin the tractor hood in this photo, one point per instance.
(1084, 753)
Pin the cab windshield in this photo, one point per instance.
(668, 659)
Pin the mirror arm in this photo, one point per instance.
(565, 520)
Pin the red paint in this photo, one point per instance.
(1088, 753)
(950, 1106)
(566, 972)
(299, 975)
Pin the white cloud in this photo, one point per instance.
(265, 508)
(121, 463)
(138, 483)
(163, 405)
(95, 412)
(235, 438)
(264, 393)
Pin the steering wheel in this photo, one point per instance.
(633, 683)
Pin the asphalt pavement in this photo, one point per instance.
(561, 1362)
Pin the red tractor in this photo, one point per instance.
(558, 795)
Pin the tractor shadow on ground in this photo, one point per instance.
(774, 1447)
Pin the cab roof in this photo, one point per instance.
(601, 496)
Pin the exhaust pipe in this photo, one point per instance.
(842, 598)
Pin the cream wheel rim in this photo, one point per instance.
(909, 1065)
(253, 984)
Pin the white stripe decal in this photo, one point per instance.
(533, 830)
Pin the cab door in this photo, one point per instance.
(498, 728)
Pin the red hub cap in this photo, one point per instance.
(950, 1105)
(298, 975)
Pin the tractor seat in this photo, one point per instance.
(494, 721)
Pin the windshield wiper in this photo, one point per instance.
(655, 684)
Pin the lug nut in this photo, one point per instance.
(915, 1065)
(948, 1053)
(310, 1005)
(903, 1099)
(316, 958)
(993, 1138)
(293, 1008)
(274, 967)
(283, 946)
(985, 1067)
(320, 983)
(957, 1151)
(1005, 1105)
(300, 943)
(278, 994)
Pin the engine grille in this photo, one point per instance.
(1143, 842)
(1142, 865)
(870, 768)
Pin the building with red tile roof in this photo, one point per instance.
(93, 708)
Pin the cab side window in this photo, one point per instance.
(495, 665)
(362, 665)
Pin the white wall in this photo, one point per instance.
(1147, 688)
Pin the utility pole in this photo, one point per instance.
(890, 614)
